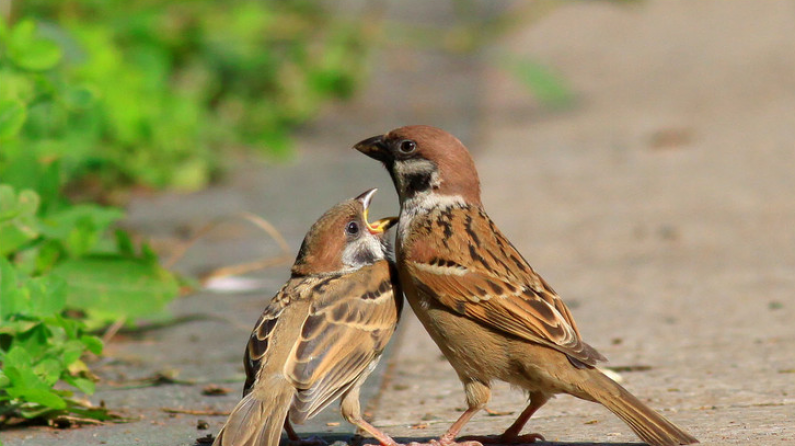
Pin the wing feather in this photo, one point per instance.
(259, 341)
(346, 331)
(486, 279)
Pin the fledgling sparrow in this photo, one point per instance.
(324, 331)
(492, 316)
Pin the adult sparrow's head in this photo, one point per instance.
(343, 240)
(426, 164)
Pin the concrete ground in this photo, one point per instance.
(661, 206)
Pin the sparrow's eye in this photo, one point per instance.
(352, 228)
(408, 146)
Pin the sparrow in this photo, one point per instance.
(490, 313)
(323, 333)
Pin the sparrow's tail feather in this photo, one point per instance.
(649, 425)
(255, 421)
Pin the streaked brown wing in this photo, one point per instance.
(349, 325)
(258, 343)
(475, 271)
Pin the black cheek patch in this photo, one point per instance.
(418, 182)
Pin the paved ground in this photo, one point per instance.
(660, 207)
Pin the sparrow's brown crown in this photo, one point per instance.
(343, 240)
(421, 158)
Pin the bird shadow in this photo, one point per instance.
(425, 440)
(358, 440)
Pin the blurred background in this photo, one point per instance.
(639, 153)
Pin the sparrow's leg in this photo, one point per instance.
(291, 434)
(351, 411)
(296, 440)
(448, 439)
(511, 435)
(478, 394)
(382, 438)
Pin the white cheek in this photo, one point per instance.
(367, 243)
(414, 166)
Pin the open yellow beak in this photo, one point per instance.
(379, 226)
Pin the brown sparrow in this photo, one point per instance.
(492, 316)
(323, 332)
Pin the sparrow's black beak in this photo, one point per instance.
(366, 197)
(379, 226)
(374, 147)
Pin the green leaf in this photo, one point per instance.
(548, 87)
(34, 341)
(124, 244)
(95, 413)
(25, 170)
(43, 396)
(25, 383)
(17, 85)
(49, 370)
(16, 327)
(18, 223)
(110, 287)
(59, 225)
(17, 358)
(32, 410)
(79, 227)
(13, 206)
(12, 117)
(72, 351)
(11, 297)
(92, 343)
(148, 255)
(30, 52)
(85, 385)
(47, 295)
(79, 97)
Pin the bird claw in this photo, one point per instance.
(528, 438)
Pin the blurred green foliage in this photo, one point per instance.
(160, 93)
